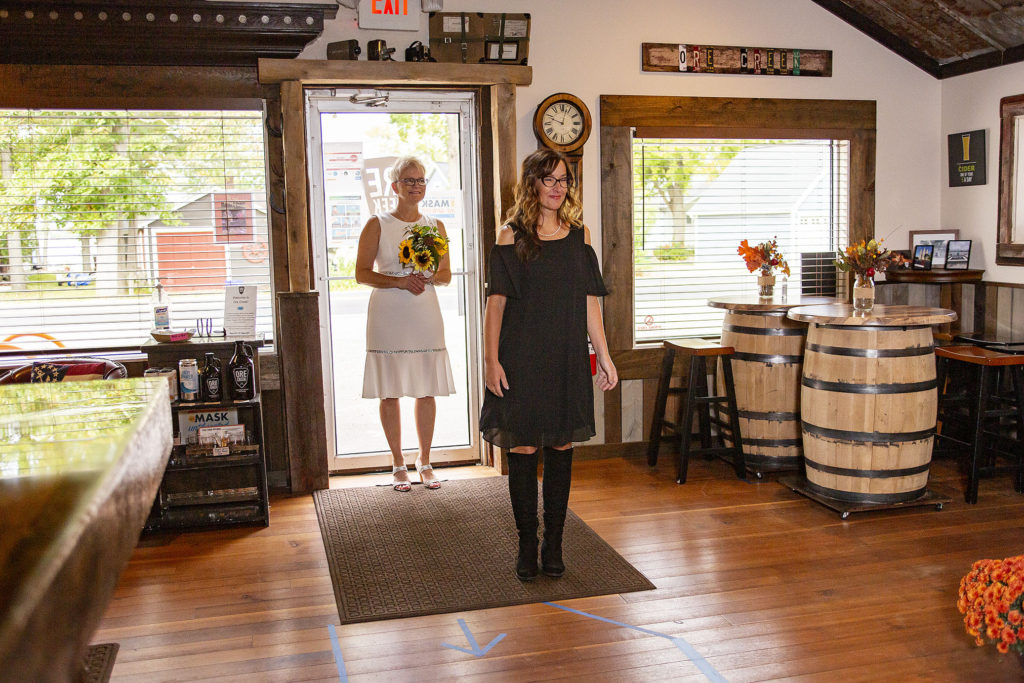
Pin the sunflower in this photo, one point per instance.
(441, 245)
(423, 260)
(405, 252)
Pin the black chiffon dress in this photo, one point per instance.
(543, 344)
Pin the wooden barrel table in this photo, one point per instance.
(869, 401)
(766, 371)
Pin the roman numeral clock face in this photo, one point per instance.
(562, 123)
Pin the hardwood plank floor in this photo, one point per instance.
(762, 583)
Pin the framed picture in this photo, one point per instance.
(923, 256)
(958, 254)
(936, 238)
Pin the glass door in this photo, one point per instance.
(354, 137)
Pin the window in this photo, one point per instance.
(98, 207)
(696, 199)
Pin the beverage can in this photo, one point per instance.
(172, 379)
(188, 379)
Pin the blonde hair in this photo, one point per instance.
(402, 163)
(525, 212)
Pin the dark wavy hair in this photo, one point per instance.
(525, 212)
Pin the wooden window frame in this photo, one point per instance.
(1008, 252)
(622, 116)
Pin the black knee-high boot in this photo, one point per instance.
(522, 489)
(557, 477)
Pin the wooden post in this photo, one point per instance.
(293, 128)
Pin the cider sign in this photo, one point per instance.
(393, 15)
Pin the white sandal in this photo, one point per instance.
(432, 484)
(402, 486)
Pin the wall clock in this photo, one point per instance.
(562, 122)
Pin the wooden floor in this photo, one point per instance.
(761, 583)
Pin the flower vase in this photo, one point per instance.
(863, 292)
(765, 286)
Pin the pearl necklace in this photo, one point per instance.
(550, 234)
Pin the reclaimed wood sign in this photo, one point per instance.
(724, 59)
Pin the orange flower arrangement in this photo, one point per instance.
(866, 258)
(990, 600)
(765, 256)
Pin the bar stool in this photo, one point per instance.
(699, 402)
(972, 416)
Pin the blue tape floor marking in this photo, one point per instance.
(338, 659)
(477, 650)
(709, 671)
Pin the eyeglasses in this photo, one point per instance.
(413, 182)
(551, 181)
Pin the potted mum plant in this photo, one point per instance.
(765, 257)
(990, 599)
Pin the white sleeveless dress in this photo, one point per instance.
(405, 349)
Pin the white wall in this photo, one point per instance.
(592, 47)
(971, 102)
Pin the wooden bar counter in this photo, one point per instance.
(869, 401)
(767, 370)
(80, 463)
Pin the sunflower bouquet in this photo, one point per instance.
(990, 599)
(423, 248)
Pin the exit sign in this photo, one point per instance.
(390, 15)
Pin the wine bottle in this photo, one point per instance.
(210, 387)
(242, 380)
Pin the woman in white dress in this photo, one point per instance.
(405, 349)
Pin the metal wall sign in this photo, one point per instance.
(967, 158)
(724, 59)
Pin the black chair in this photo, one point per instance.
(696, 401)
(975, 414)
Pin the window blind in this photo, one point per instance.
(696, 200)
(99, 207)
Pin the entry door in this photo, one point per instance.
(354, 136)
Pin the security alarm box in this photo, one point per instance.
(479, 37)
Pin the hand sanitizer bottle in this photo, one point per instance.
(161, 308)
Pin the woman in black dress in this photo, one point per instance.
(541, 305)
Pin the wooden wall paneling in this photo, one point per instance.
(980, 302)
(613, 415)
(1016, 322)
(966, 309)
(1004, 311)
(632, 410)
(302, 381)
(128, 87)
(991, 308)
(293, 131)
(617, 233)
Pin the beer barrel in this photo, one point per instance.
(868, 402)
(766, 370)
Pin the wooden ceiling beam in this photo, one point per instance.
(881, 34)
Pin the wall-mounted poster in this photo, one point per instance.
(967, 158)
(727, 59)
